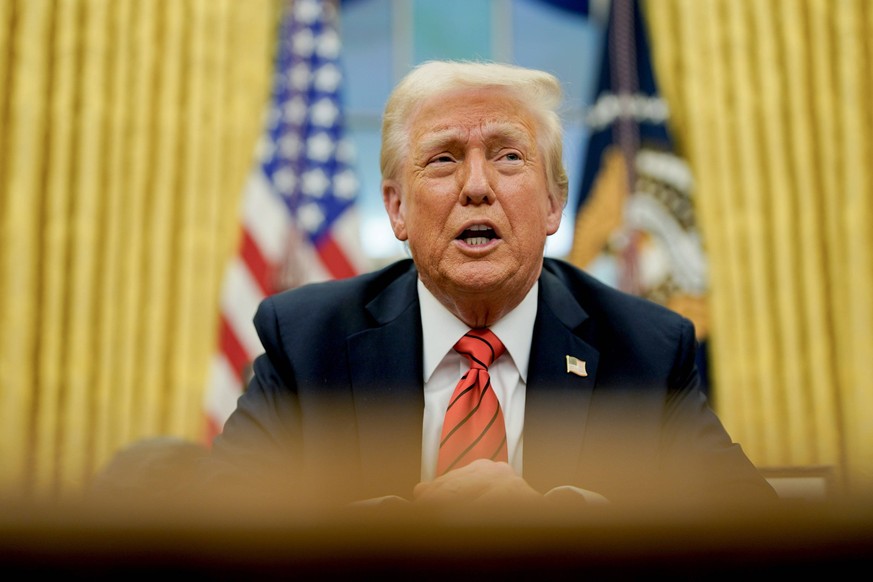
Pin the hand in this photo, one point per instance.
(482, 482)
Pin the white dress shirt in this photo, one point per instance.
(443, 367)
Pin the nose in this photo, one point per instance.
(475, 183)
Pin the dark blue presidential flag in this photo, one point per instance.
(635, 222)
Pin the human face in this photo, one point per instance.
(473, 199)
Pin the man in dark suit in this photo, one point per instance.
(597, 394)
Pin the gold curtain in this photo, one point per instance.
(772, 104)
(127, 128)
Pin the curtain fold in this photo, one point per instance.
(126, 133)
(771, 102)
(24, 128)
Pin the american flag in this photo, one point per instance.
(298, 216)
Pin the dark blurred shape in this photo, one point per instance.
(154, 469)
(409, 541)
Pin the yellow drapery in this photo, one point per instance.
(126, 132)
(772, 105)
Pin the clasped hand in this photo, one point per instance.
(483, 482)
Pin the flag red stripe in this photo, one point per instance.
(257, 264)
(232, 348)
(334, 259)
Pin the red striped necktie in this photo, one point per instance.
(473, 427)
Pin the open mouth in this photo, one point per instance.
(478, 234)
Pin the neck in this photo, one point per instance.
(479, 309)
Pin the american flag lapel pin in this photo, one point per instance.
(576, 366)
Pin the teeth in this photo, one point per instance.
(478, 240)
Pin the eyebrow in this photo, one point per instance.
(439, 139)
(504, 131)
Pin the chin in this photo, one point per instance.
(482, 277)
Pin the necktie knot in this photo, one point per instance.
(481, 347)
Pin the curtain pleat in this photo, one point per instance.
(855, 225)
(165, 414)
(810, 334)
(25, 123)
(56, 227)
(85, 238)
(109, 387)
(197, 214)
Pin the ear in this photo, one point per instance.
(395, 207)
(553, 217)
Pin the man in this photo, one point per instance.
(597, 394)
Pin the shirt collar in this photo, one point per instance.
(441, 329)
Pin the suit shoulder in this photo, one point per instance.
(341, 298)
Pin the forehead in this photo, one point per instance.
(484, 110)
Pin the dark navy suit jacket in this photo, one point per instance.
(336, 403)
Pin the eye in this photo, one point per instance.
(511, 156)
(441, 159)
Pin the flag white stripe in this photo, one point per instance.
(266, 217)
(239, 302)
(225, 389)
(347, 235)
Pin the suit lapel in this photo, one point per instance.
(386, 372)
(557, 401)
